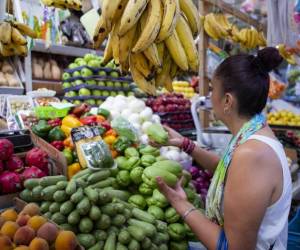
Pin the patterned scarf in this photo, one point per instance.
(214, 200)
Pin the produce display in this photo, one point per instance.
(86, 80)
(284, 118)
(153, 40)
(70, 4)
(45, 69)
(175, 154)
(13, 39)
(7, 75)
(201, 180)
(29, 230)
(184, 87)
(18, 103)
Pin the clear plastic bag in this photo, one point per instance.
(124, 128)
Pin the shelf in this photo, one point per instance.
(279, 127)
(39, 46)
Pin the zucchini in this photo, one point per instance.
(48, 192)
(126, 204)
(100, 235)
(104, 222)
(104, 197)
(146, 244)
(51, 180)
(163, 247)
(45, 206)
(74, 217)
(91, 194)
(119, 208)
(61, 185)
(124, 237)
(31, 183)
(81, 183)
(60, 196)
(37, 192)
(136, 233)
(118, 220)
(113, 229)
(77, 196)
(86, 240)
(98, 246)
(127, 213)
(149, 229)
(66, 208)
(68, 227)
(26, 195)
(105, 183)
(71, 187)
(48, 215)
(95, 213)
(84, 206)
(54, 207)
(161, 238)
(85, 225)
(119, 194)
(98, 176)
(110, 243)
(143, 216)
(59, 218)
(109, 209)
(82, 173)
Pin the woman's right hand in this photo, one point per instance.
(175, 139)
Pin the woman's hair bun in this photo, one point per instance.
(269, 58)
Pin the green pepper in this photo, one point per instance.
(56, 134)
(121, 144)
(123, 178)
(136, 175)
(157, 212)
(131, 152)
(137, 200)
(43, 126)
(160, 199)
(132, 162)
(103, 112)
(35, 130)
(149, 150)
(69, 155)
(145, 189)
(147, 160)
(171, 215)
(181, 245)
(177, 231)
(101, 130)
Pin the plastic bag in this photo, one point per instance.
(124, 128)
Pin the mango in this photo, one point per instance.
(38, 244)
(9, 229)
(24, 235)
(22, 219)
(36, 222)
(66, 240)
(5, 243)
(48, 232)
(10, 215)
(22, 248)
(31, 209)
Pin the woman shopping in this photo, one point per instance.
(249, 198)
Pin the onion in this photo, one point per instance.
(146, 114)
(194, 172)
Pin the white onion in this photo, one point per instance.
(146, 125)
(126, 113)
(146, 114)
(134, 118)
(136, 106)
(155, 119)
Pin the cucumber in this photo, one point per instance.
(26, 195)
(82, 173)
(37, 192)
(136, 233)
(110, 243)
(68, 227)
(51, 180)
(45, 206)
(163, 247)
(59, 218)
(143, 216)
(121, 247)
(126, 204)
(48, 215)
(61, 185)
(48, 192)
(81, 183)
(74, 217)
(98, 246)
(85, 225)
(118, 220)
(71, 187)
(91, 194)
(127, 213)
(100, 235)
(124, 237)
(119, 194)
(77, 196)
(105, 183)
(119, 208)
(60, 196)
(148, 228)
(54, 207)
(84, 206)
(98, 176)
(31, 183)
(86, 240)
(113, 229)
(104, 222)
(95, 213)
(104, 197)
(66, 208)
(109, 209)
(134, 245)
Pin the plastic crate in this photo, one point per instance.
(48, 112)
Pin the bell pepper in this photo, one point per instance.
(54, 122)
(73, 169)
(160, 199)
(157, 212)
(147, 160)
(171, 215)
(89, 120)
(103, 112)
(111, 132)
(56, 134)
(68, 123)
(100, 119)
(177, 232)
(69, 155)
(41, 129)
(37, 132)
(145, 189)
(130, 152)
(149, 150)
(59, 145)
(137, 200)
(136, 175)
(110, 139)
(106, 125)
(68, 142)
(121, 144)
(123, 178)
(132, 163)
(114, 153)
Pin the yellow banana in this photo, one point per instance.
(101, 32)
(261, 39)
(125, 45)
(115, 42)
(161, 77)
(17, 37)
(218, 25)
(4, 51)
(173, 70)
(192, 15)
(151, 27)
(242, 37)
(210, 27)
(25, 29)
(234, 34)
(169, 20)
(223, 21)
(108, 52)
(186, 38)
(152, 55)
(133, 11)
(140, 62)
(109, 9)
(169, 83)
(21, 50)
(5, 33)
(176, 51)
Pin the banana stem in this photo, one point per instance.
(2, 9)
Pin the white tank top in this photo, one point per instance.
(274, 226)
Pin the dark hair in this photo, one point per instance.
(247, 77)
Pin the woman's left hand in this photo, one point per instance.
(173, 195)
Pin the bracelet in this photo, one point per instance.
(187, 145)
(187, 212)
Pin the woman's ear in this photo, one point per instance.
(228, 102)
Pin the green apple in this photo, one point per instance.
(109, 84)
(71, 93)
(82, 62)
(77, 102)
(121, 93)
(125, 84)
(78, 82)
(99, 102)
(105, 93)
(130, 94)
(84, 92)
(96, 92)
(100, 83)
(91, 101)
(77, 60)
(66, 76)
(117, 84)
(102, 73)
(113, 93)
(76, 74)
(94, 63)
(114, 74)
(64, 101)
(66, 85)
(91, 82)
(73, 65)
(89, 57)
(86, 72)
(111, 64)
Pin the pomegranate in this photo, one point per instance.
(37, 157)
(6, 149)
(10, 182)
(15, 164)
(32, 172)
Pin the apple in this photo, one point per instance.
(96, 92)
(102, 73)
(121, 93)
(73, 65)
(77, 60)
(125, 84)
(88, 57)
(111, 64)
(109, 84)
(91, 82)
(78, 82)
(113, 93)
(64, 101)
(76, 74)
(130, 93)
(117, 84)
(66, 85)
(105, 93)
(91, 101)
(66, 76)
(77, 102)
(114, 74)
(82, 62)
(84, 92)
(86, 72)
(94, 63)
(100, 83)
(99, 102)
(71, 94)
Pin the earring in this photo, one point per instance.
(226, 111)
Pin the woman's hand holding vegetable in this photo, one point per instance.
(175, 139)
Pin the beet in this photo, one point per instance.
(6, 149)
(37, 157)
(15, 164)
(10, 182)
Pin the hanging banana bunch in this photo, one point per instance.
(64, 4)
(13, 40)
(151, 39)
